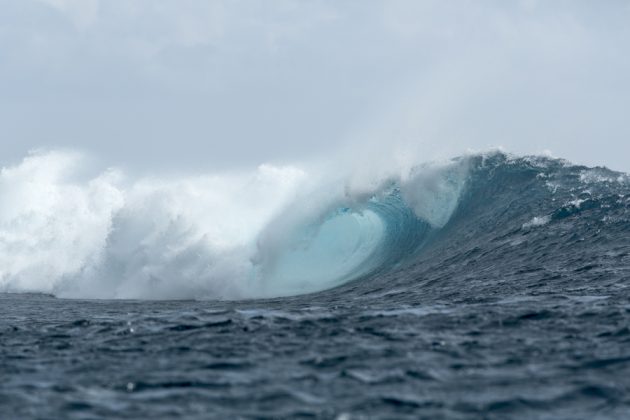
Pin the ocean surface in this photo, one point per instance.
(493, 287)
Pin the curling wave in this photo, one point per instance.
(278, 231)
(273, 232)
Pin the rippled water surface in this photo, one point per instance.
(552, 354)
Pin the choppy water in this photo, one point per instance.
(516, 307)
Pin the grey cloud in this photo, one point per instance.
(209, 84)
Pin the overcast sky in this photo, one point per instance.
(205, 84)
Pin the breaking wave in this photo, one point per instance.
(275, 231)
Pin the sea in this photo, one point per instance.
(492, 286)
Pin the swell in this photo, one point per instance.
(523, 226)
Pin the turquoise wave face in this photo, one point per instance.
(326, 255)
(348, 243)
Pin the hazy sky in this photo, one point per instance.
(205, 84)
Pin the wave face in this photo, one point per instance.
(280, 231)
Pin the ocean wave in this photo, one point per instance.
(275, 231)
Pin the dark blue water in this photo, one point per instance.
(519, 307)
